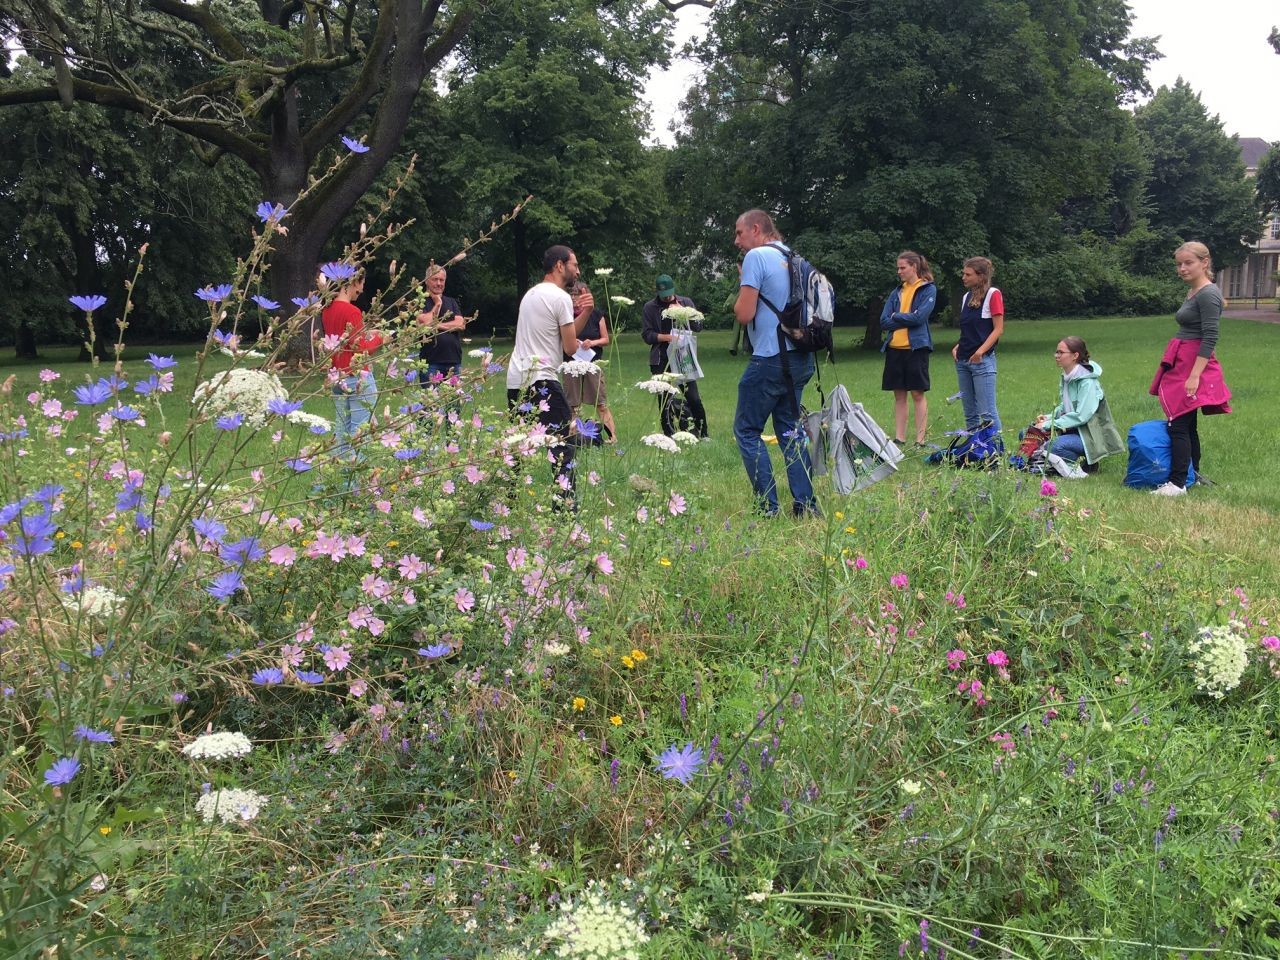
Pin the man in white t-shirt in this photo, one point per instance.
(548, 326)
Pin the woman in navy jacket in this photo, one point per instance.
(905, 319)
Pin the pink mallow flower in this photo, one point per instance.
(464, 599)
(604, 564)
(282, 556)
(337, 658)
(1270, 643)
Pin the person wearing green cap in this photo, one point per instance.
(656, 331)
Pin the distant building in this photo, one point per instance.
(1256, 277)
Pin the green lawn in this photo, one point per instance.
(1234, 518)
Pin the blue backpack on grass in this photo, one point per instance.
(982, 447)
(1151, 456)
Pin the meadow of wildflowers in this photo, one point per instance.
(259, 701)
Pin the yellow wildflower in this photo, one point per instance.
(639, 656)
(616, 720)
(76, 545)
(104, 830)
(664, 562)
(579, 704)
(628, 662)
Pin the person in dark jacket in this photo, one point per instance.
(906, 350)
(442, 319)
(589, 389)
(656, 331)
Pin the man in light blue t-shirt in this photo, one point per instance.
(763, 391)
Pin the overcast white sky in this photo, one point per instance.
(1219, 48)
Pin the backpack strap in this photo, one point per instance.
(760, 293)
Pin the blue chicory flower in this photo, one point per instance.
(268, 677)
(264, 302)
(355, 146)
(224, 585)
(309, 676)
(480, 525)
(229, 421)
(62, 772)
(588, 428)
(90, 303)
(303, 302)
(282, 407)
(212, 294)
(241, 552)
(410, 453)
(268, 211)
(210, 529)
(93, 736)
(161, 363)
(337, 270)
(92, 394)
(298, 464)
(681, 763)
(48, 493)
(435, 651)
(148, 386)
(142, 523)
(35, 536)
(124, 412)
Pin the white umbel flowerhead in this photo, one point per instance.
(656, 386)
(661, 442)
(218, 746)
(578, 368)
(593, 928)
(1219, 657)
(682, 314)
(94, 602)
(684, 438)
(230, 806)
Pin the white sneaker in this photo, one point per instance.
(1068, 470)
(1169, 490)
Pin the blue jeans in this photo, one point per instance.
(978, 391)
(762, 393)
(1068, 446)
(354, 398)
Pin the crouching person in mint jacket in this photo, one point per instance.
(1083, 419)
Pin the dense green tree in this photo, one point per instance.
(1267, 182)
(544, 100)
(272, 82)
(992, 127)
(1197, 189)
(81, 191)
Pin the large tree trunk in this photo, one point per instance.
(24, 346)
(874, 335)
(520, 233)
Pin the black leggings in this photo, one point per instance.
(1184, 444)
(556, 418)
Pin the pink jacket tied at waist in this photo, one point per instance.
(1212, 396)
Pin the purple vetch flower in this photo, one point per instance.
(161, 363)
(684, 708)
(62, 772)
(90, 303)
(282, 407)
(355, 146)
(212, 294)
(614, 766)
(681, 763)
(264, 302)
(224, 585)
(92, 394)
(924, 936)
(268, 677)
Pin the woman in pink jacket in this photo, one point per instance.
(1189, 379)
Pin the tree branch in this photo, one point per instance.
(202, 16)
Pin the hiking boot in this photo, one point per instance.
(1069, 471)
(1167, 489)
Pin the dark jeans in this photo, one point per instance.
(762, 393)
(1184, 447)
(557, 419)
(691, 397)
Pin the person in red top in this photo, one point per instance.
(355, 392)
